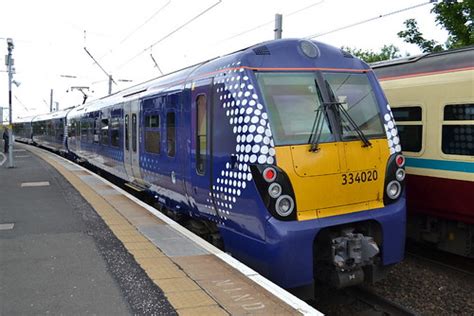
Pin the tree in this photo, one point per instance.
(456, 17)
(413, 35)
(369, 56)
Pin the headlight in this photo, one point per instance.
(284, 205)
(274, 190)
(309, 49)
(394, 189)
(400, 174)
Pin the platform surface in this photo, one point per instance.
(73, 243)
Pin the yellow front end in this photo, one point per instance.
(340, 178)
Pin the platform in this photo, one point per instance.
(59, 257)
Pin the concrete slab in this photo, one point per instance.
(172, 243)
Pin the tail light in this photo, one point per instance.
(276, 191)
(400, 161)
(269, 174)
(394, 178)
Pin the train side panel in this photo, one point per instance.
(435, 114)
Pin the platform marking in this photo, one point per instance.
(6, 226)
(2, 160)
(35, 184)
(24, 156)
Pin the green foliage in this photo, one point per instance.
(413, 35)
(369, 56)
(455, 17)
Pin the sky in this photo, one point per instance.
(50, 36)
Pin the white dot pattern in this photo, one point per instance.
(252, 132)
(392, 132)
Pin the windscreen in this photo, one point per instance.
(354, 93)
(293, 101)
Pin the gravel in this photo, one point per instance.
(420, 286)
(428, 289)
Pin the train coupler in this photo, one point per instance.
(351, 252)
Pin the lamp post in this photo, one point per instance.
(10, 79)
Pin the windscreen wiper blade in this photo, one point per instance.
(318, 124)
(353, 124)
(316, 131)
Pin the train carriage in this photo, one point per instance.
(432, 99)
(23, 130)
(285, 153)
(49, 131)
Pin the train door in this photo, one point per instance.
(131, 110)
(200, 185)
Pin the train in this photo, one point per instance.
(284, 153)
(432, 100)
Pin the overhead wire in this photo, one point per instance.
(19, 101)
(369, 20)
(146, 22)
(136, 29)
(169, 34)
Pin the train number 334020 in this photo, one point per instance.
(358, 177)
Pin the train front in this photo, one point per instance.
(335, 188)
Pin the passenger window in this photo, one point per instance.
(152, 134)
(114, 132)
(96, 131)
(458, 130)
(410, 127)
(201, 133)
(78, 128)
(84, 131)
(127, 146)
(134, 132)
(171, 133)
(105, 131)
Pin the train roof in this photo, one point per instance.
(53, 115)
(445, 61)
(26, 119)
(286, 54)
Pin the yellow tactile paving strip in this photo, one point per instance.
(194, 285)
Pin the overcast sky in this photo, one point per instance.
(49, 37)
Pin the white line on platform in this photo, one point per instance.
(2, 160)
(23, 156)
(6, 226)
(35, 184)
(268, 285)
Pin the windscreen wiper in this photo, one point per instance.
(316, 131)
(353, 124)
(342, 110)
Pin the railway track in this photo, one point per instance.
(440, 258)
(358, 301)
(376, 305)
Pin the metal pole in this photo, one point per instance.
(110, 84)
(10, 79)
(51, 101)
(278, 25)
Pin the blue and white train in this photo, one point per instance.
(285, 152)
